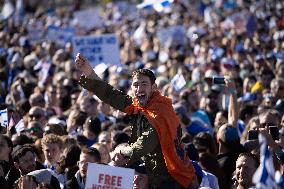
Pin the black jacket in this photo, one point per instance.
(73, 183)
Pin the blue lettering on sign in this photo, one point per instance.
(92, 58)
(110, 40)
(79, 42)
(96, 50)
(101, 58)
(94, 41)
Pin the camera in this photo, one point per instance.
(253, 135)
(273, 130)
(218, 80)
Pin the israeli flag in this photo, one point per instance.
(4, 118)
(264, 177)
(20, 126)
(43, 74)
(178, 82)
(158, 5)
(20, 12)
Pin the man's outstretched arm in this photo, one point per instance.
(91, 81)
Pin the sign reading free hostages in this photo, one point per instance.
(97, 49)
(108, 177)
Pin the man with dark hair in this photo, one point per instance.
(246, 166)
(229, 149)
(145, 72)
(90, 155)
(24, 158)
(156, 131)
(92, 129)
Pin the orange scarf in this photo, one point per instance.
(161, 115)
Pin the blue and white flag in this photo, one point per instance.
(264, 177)
(4, 118)
(44, 70)
(19, 12)
(178, 82)
(241, 127)
(158, 5)
(7, 10)
(20, 126)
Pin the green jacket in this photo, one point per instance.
(144, 140)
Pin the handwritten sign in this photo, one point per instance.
(97, 49)
(105, 176)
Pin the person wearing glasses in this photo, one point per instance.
(88, 155)
(156, 131)
(24, 160)
(34, 129)
(37, 113)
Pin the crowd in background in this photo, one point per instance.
(63, 127)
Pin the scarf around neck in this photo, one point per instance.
(161, 115)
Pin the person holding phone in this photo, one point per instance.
(269, 126)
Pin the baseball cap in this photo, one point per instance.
(247, 97)
(45, 176)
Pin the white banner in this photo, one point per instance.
(36, 31)
(172, 36)
(60, 35)
(97, 49)
(88, 19)
(105, 176)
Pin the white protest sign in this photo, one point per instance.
(97, 49)
(105, 176)
(237, 21)
(4, 118)
(35, 31)
(173, 35)
(60, 35)
(88, 19)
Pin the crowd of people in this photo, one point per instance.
(59, 122)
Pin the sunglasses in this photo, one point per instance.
(33, 130)
(36, 116)
(266, 125)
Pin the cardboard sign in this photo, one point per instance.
(97, 49)
(60, 35)
(105, 176)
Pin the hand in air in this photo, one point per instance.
(83, 65)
